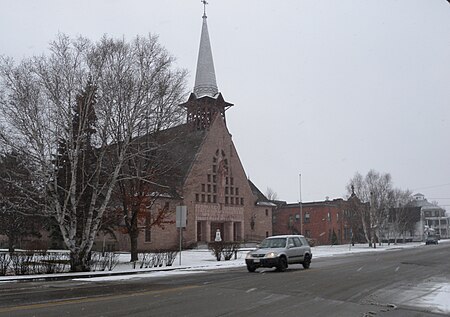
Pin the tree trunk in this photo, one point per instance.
(11, 244)
(134, 234)
(134, 246)
(79, 262)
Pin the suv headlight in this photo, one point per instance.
(271, 255)
(249, 256)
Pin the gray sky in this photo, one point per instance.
(324, 88)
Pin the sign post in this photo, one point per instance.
(181, 223)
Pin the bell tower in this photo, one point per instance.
(205, 102)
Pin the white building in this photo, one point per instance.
(432, 217)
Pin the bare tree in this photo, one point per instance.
(376, 189)
(139, 188)
(120, 90)
(356, 187)
(401, 218)
(19, 201)
(271, 194)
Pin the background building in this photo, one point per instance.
(324, 222)
(432, 217)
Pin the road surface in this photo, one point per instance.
(391, 283)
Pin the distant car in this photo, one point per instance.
(279, 252)
(432, 239)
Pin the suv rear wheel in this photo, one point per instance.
(307, 262)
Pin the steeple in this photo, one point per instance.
(206, 102)
(205, 78)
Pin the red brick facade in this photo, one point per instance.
(321, 220)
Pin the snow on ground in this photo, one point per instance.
(433, 295)
(194, 261)
(197, 261)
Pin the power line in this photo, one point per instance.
(433, 186)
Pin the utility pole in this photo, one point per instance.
(300, 202)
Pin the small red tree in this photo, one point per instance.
(138, 202)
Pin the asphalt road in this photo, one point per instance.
(372, 284)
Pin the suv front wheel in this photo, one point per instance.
(251, 268)
(282, 265)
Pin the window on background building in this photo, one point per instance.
(203, 187)
(308, 233)
(209, 188)
(226, 200)
(267, 212)
(267, 234)
(237, 191)
(209, 178)
(203, 198)
(329, 217)
(209, 198)
(214, 198)
(242, 201)
(197, 198)
(297, 218)
(347, 233)
(307, 217)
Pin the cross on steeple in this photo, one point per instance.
(204, 7)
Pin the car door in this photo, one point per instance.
(293, 250)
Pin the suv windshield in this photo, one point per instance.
(273, 243)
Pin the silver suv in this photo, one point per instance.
(279, 252)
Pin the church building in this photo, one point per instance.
(209, 178)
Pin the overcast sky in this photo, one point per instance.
(324, 88)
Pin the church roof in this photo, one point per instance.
(205, 78)
(175, 151)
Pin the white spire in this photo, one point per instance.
(205, 78)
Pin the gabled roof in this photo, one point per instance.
(422, 203)
(261, 199)
(175, 150)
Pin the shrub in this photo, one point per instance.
(216, 249)
(229, 249)
(4, 263)
(225, 249)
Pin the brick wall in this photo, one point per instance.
(320, 220)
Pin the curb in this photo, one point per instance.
(69, 275)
